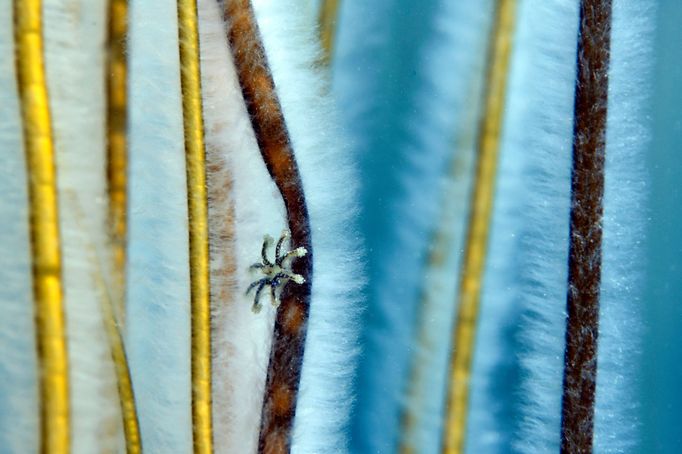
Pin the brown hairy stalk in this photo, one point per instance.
(587, 189)
(286, 357)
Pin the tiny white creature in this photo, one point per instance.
(276, 273)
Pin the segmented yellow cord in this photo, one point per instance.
(44, 222)
(329, 11)
(198, 226)
(113, 307)
(131, 426)
(479, 223)
(117, 153)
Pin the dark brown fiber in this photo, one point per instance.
(286, 357)
(585, 250)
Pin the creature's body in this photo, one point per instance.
(277, 274)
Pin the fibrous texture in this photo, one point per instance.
(158, 318)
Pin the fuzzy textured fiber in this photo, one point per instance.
(383, 71)
(244, 205)
(158, 311)
(327, 173)
(550, 44)
(446, 120)
(74, 59)
(625, 195)
(520, 343)
(274, 142)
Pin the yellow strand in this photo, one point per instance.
(479, 223)
(328, 18)
(117, 155)
(198, 226)
(44, 221)
(131, 428)
(446, 238)
(113, 307)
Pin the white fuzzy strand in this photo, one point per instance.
(74, 33)
(625, 195)
(158, 319)
(520, 342)
(242, 193)
(328, 177)
(446, 118)
(400, 104)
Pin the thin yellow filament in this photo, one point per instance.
(329, 11)
(419, 373)
(116, 346)
(131, 428)
(479, 223)
(198, 226)
(44, 221)
(113, 307)
(445, 238)
(117, 156)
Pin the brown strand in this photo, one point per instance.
(221, 215)
(117, 148)
(587, 191)
(286, 357)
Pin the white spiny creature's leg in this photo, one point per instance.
(298, 252)
(278, 249)
(256, 300)
(267, 241)
(259, 283)
(297, 278)
(274, 296)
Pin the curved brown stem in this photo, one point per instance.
(286, 357)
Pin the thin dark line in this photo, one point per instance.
(585, 253)
(286, 357)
